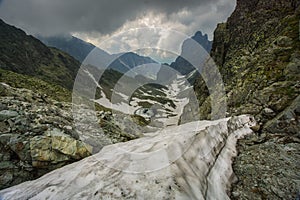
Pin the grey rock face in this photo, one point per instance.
(267, 167)
(288, 121)
(7, 114)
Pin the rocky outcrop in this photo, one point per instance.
(54, 147)
(191, 161)
(270, 161)
(258, 54)
(288, 121)
(36, 136)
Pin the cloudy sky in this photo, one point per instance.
(98, 21)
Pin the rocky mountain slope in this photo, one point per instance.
(37, 135)
(258, 54)
(36, 123)
(25, 54)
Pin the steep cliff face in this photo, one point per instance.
(258, 54)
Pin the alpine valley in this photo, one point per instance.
(77, 127)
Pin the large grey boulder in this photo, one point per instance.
(288, 121)
(7, 114)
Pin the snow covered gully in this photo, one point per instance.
(190, 161)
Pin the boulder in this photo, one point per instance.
(288, 121)
(55, 147)
(7, 114)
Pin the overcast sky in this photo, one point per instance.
(98, 20)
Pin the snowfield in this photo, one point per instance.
(167, 115)
(190, 161)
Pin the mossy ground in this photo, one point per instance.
(53, 91)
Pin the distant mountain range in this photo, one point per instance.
(80, 49)
(127, 61)
(74, 46)
(24, 54)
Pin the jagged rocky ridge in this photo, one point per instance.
(192, 161)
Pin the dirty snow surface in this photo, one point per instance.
(190, 161)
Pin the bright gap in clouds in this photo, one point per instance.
(203, 18)
(96, 21)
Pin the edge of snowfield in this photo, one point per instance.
(202, 171)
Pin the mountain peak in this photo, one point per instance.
(182, 65)
(199, 35)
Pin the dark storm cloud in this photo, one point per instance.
(104, 16)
